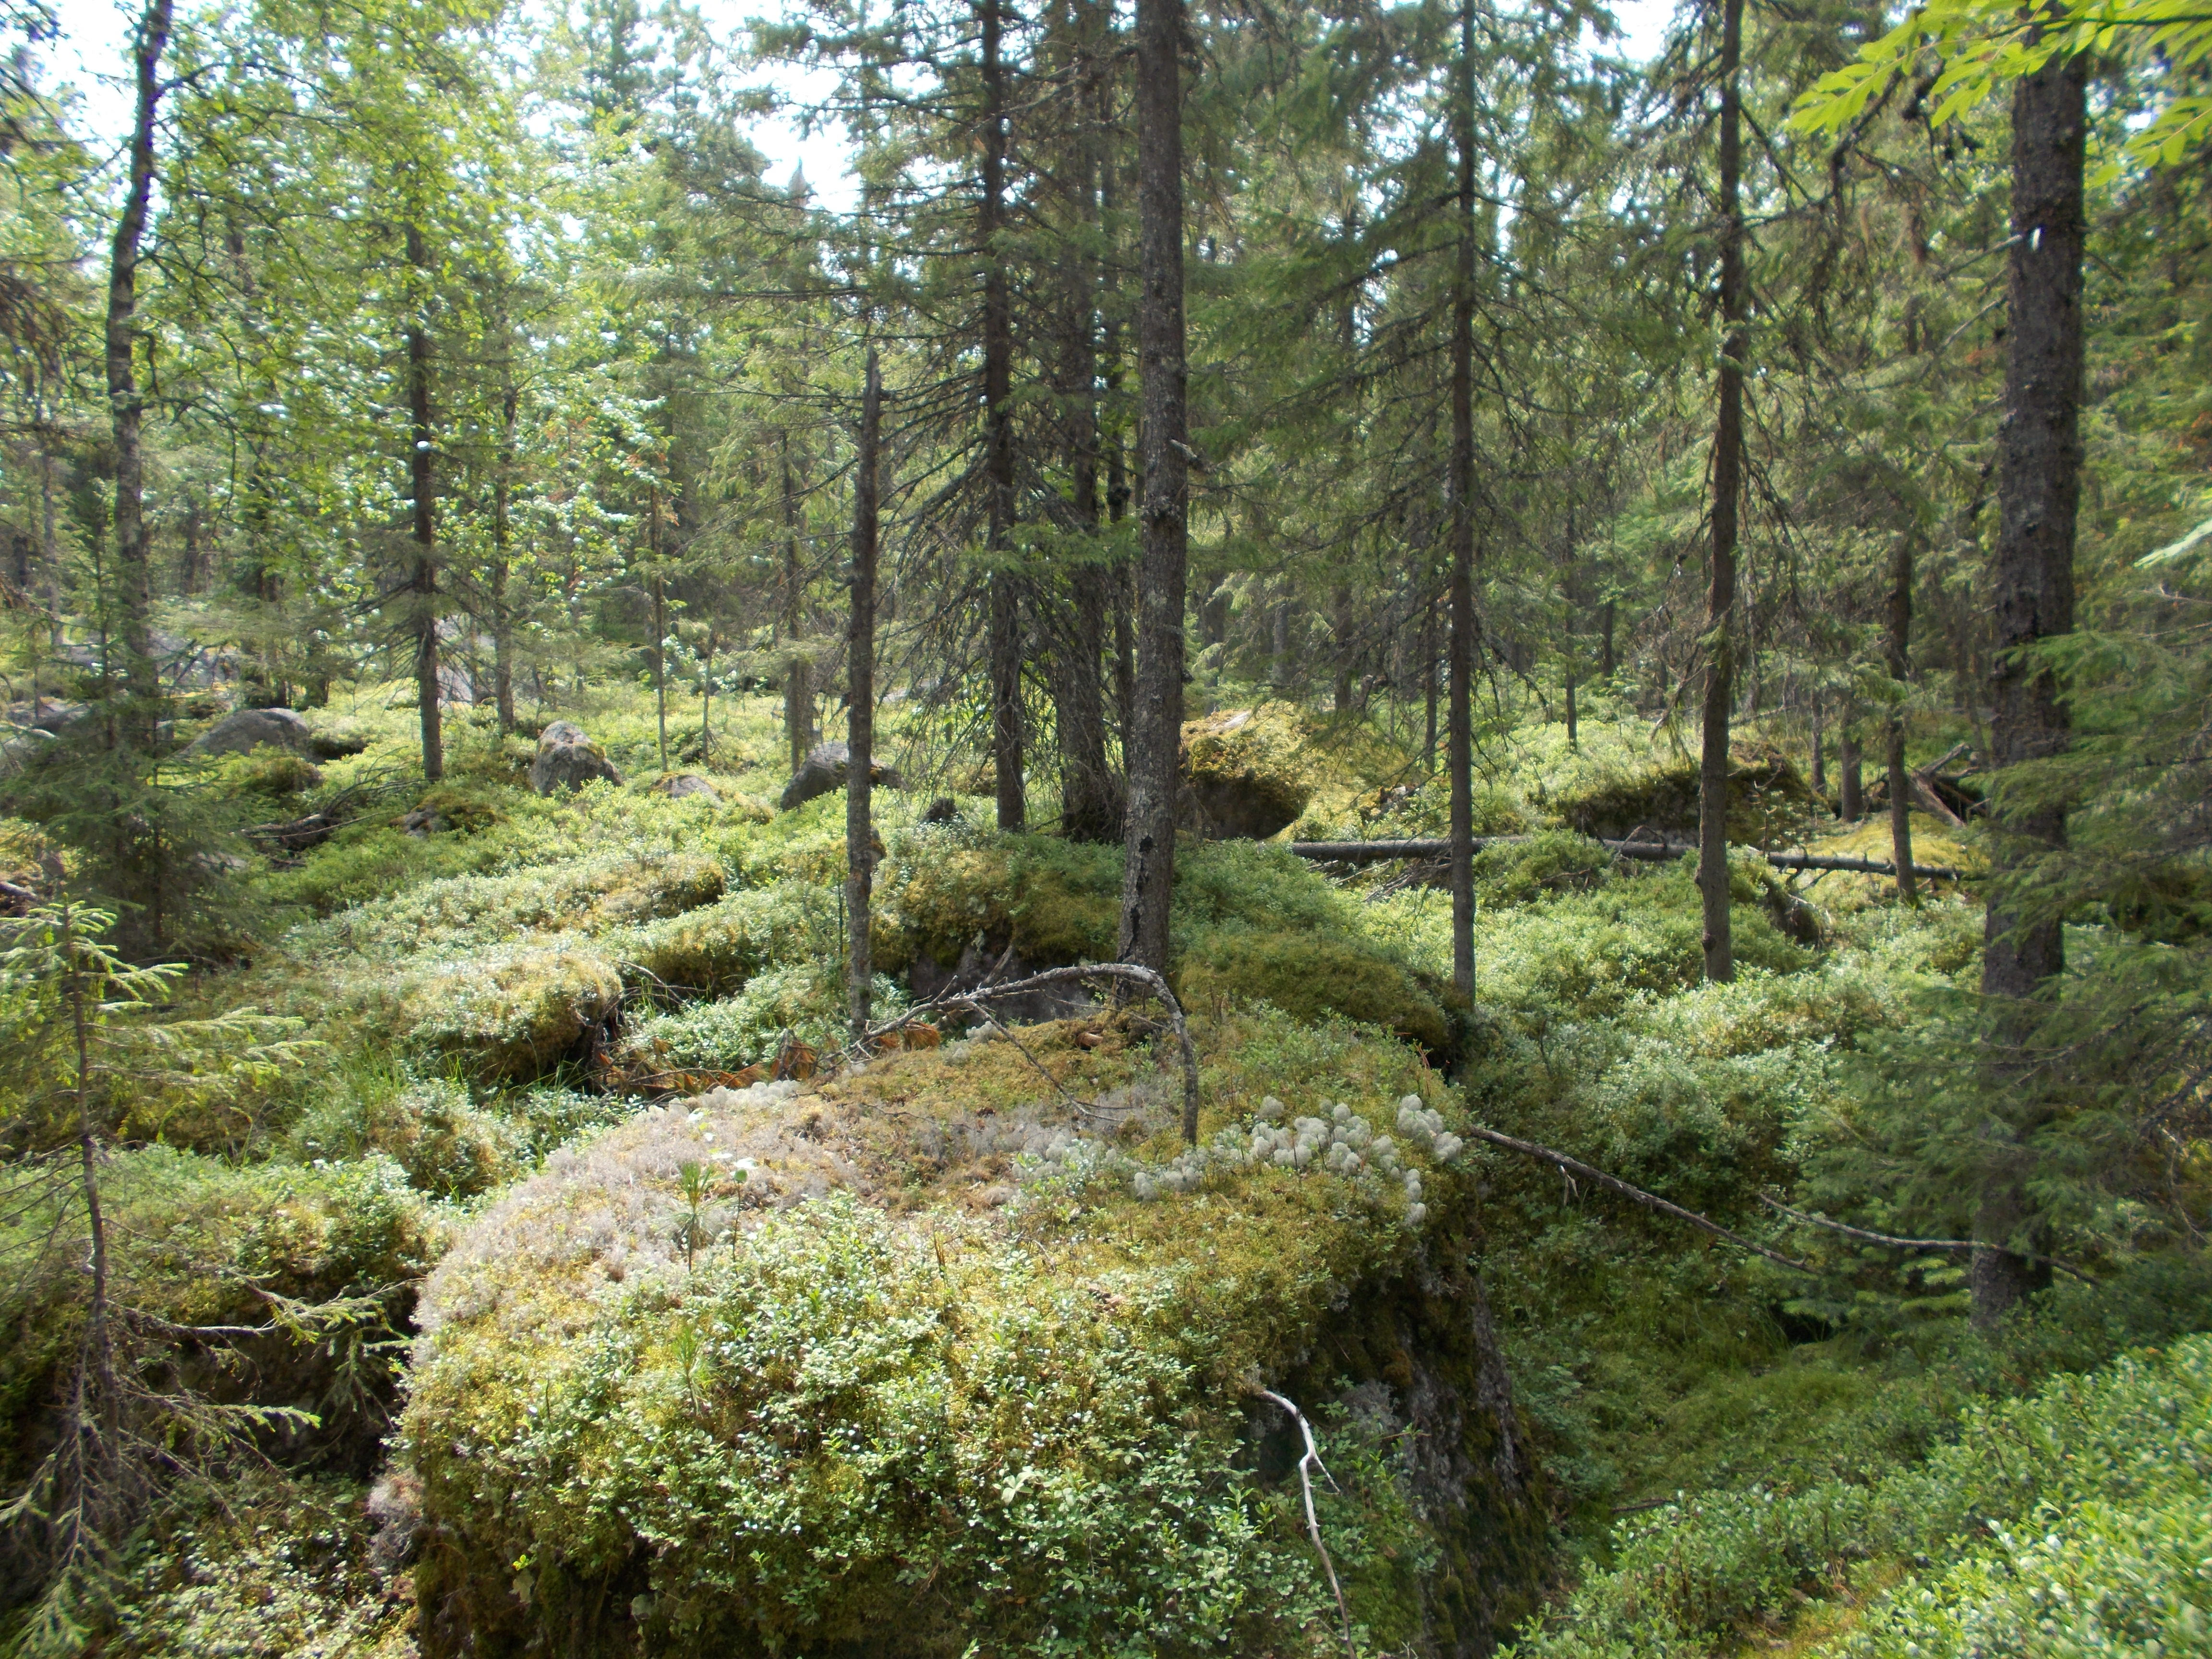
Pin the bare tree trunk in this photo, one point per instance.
(1851, 783)
(707, 700)
(1819, 772)
(1460, 717)
(660, 661)
(1148, 873)
(126, 406)
(422, 474)
(797, 680)
(1606, 666)
(2039, 494)
(502, 619)
(860, 714)
(1005, 619)
(1089, 796)
(1896, 644)
(1120, 591)
(1340, 610)
(1728, 463)
(1429, 687)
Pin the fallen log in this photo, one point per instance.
(1375, 851)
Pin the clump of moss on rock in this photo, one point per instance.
(1768, 801)
(874, 1368)
(1246, 772)
(510, 1017)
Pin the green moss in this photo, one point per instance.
(1311, 977)
(1024, 1425)
(195, 1241)
(1245, 771)
(508, 1016)
(1768, 801)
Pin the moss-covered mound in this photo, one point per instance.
(937, 1360)
(195, 1242)
(1245, 772)
(1249, 924)
(1769, 802)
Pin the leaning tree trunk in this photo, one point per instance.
(1005, 619)
(1898, 634)
(1148, 872)
(1728, 462)
(422, 475)
(126, 406)
(2038, 491)
(1460, 716)
(861, 719)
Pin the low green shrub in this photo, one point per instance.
(2074, 1523)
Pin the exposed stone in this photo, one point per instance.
(823, 770)
(567, 759)
(681, 786)
(254, 728)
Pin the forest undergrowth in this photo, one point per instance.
(634, 1267)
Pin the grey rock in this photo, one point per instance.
(253, 728)
(567, 759)
(823, 769)
(681, 786)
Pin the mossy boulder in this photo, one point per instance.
(197, 1241)
(1768, 802)
(1246, 773)
(510, 1016)
(1312, 976)
(904, 1365)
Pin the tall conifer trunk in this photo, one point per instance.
(1148, 872)
(1728, 462)
(502, 613)
(1897, 637)
(422, 478)
(1460, 714)
(798, 678)
(126, 404)
(861, 719)
(2038, 491)
(1006, 618)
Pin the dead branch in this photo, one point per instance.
(1650, 1201)
(1895, 1244)
(1312, 1460)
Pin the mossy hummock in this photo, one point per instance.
(904, 1363)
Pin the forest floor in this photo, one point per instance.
(545, 1116)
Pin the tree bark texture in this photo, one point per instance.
(126, 404)
(797, 679)
(1851, 783)
(1460, 650)
(2038, 492)
(860, 717)
(1005, 613)
(1089, 794)
(1897, 638)
(1148, 873)
(422, 478)
(1728, 463)
(502, 616)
